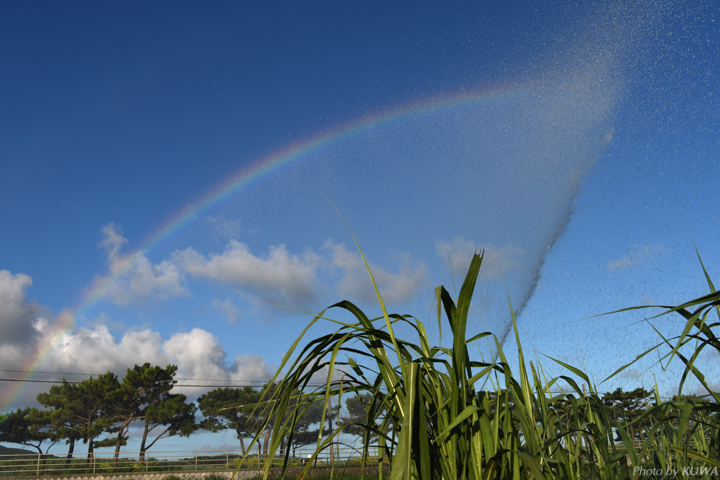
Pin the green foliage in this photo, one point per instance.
(626, 409)
(360, 408)
(686, 432)
(432, 410)
(156, 406)
(86, 410)
(81, 409)
(67, 421)
(30, 427)
(233, 409)
(445, 426)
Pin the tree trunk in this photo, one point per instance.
(142, 444)
(330, 426)
(266, 443)
(71, 450)
(242, 442)
(118, 442)
(91, 452)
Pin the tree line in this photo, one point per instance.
(100, 411)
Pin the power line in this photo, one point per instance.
(97, 374)
(29, 381)
(245, 384)
(50, 373)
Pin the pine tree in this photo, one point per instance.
(231, 409)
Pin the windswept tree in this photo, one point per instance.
(82, 408)
(65, 400)
(30, 427)
(306, 427)
(123, 407)
(174, 414)
(140, 386)
(625, 408)
(361, 408)
(231, 409)
(144, 394)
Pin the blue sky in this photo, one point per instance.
(578, 145)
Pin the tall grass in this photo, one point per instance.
(438, 414)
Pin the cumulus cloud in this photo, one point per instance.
(29, 332)
(136, 279)
(98, 350)
(197, 353)
(147, 281)
(17, 315)
(25, 328)
(637, 255)
(278, 277)
(355, 282)
(496, 260)
(200, 356)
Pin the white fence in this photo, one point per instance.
(169, 463)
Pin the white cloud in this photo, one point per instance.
(197, 353)
(30, 332)
(355, 282)
(637, 255)
(147, 281)
(27, 331)
(96, 350)
(113, 241)
(17, 315)
(275, 277)
(278, 277)
(250, 368)
(137, 279)
(496, 260)
(228, 308)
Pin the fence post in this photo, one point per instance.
(38, 465)
(195, 460)
(93, 458)
(227, 459)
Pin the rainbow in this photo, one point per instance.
(237, 183)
